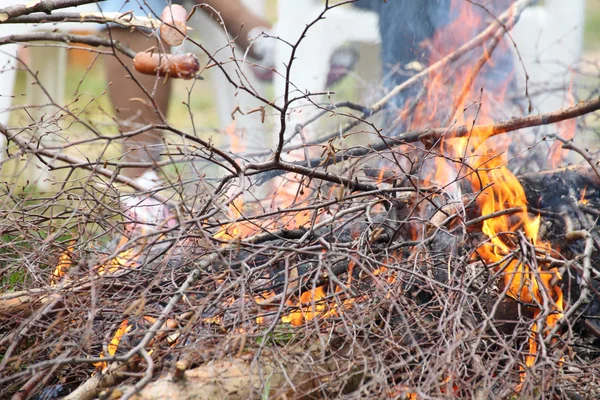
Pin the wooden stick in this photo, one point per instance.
(95, 41)
(45, 6)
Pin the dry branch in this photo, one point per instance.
(431, 135)
(45, 6)
(33, 147)
(122, 19)
(511, 125)
(89, 40)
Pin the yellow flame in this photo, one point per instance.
(113, 346)
(65, 261)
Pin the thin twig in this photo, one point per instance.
(45, 6)
(68, 38)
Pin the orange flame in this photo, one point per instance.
(238, 229)
(481, 161)
(315, 307)
(113, 346)
(583, 200)
(124, 259)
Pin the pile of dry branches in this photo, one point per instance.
(367, 279)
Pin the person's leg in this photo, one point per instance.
(132, 106)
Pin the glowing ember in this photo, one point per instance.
(583, 200)
(124, 259)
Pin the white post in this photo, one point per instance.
(311, 64)
(50, 65)
(46, 86)
(248, 131)
(8, 72)
(227, 98)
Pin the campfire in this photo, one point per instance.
(411, 263)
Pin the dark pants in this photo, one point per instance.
(406, 24)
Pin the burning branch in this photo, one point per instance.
(429, 135)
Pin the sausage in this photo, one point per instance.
(184, 66)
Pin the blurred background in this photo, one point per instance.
(194, 104)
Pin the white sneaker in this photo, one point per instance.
(143, 209)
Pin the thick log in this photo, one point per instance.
(235, 380)
(272, 376)
(22, 303)
(90, 389)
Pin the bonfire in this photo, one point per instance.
(416, 264)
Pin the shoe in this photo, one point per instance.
(143, 210)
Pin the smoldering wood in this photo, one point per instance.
(549, 189)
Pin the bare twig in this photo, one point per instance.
(89, 40)
(45, 6)
(33, 147)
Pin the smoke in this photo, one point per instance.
(409, 29)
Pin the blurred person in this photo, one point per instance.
(415, 34)
(125, 92)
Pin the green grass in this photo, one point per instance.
(592, 25)
(86, 96)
